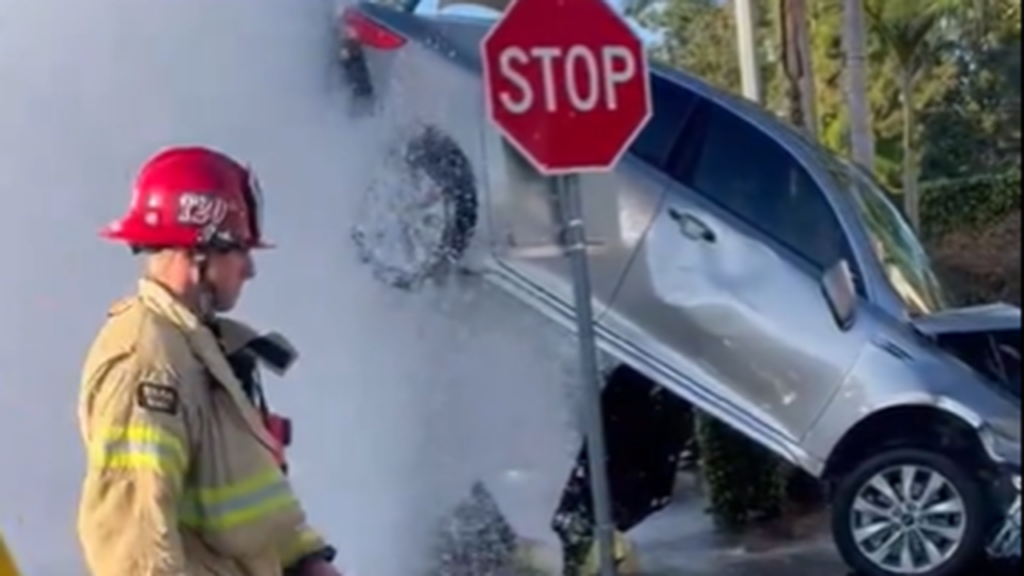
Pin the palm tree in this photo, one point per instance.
(862, 141)
(797, 65)
(906, 30)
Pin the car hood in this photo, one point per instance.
(989, 318)
(987, 338)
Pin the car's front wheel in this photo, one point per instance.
(909, 512)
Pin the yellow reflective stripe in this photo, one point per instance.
(227, 507)
(189, 513)
(305, 542)
(139, 446)
(254, 483)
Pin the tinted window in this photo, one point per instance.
(746, 172)
(671, 105)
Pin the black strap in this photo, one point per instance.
(246, 370)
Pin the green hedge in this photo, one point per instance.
(968, 202)
(745, 482)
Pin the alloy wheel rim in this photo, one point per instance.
(401, 231)
(909, 520)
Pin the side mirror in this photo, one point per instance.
(840, 293)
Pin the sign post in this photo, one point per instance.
(568, 190)
(571, 95)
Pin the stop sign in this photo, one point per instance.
(566, 83)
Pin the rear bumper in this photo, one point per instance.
(1006, 544)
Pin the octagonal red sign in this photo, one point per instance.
(566, 82)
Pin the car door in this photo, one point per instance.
(728, 282)
(618, 209)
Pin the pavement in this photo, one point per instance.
(682, 541)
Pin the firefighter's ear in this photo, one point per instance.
(274, 351)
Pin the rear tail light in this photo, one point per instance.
(359, 28)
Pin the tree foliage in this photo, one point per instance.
(964, 58)
(944, 85)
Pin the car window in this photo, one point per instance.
(740, 168)
(903, 259)
(671, 105)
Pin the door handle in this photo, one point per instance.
(692, 227)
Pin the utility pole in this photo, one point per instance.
(746, 37)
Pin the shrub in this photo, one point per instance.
(745, 482)
(968, 204)
(972, 226)
(982, 265)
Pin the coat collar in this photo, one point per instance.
(204, 345)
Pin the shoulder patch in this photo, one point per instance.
(157, 398)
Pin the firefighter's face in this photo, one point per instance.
(226, 273)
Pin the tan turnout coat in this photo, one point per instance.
(180, 481)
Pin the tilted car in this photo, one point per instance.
(735, 264)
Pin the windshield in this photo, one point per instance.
(906, 264)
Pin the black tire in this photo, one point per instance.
(965, 480)
(433, 155)
(442, 160)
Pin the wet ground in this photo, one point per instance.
(682, 541)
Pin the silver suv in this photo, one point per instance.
(736, 265)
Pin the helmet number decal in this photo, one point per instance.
(201, 210)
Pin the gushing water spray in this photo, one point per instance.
(400, 401)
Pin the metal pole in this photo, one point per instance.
(568, 190)
(746, 37)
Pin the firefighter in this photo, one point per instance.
(181, 477)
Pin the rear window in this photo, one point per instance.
(671, 106)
